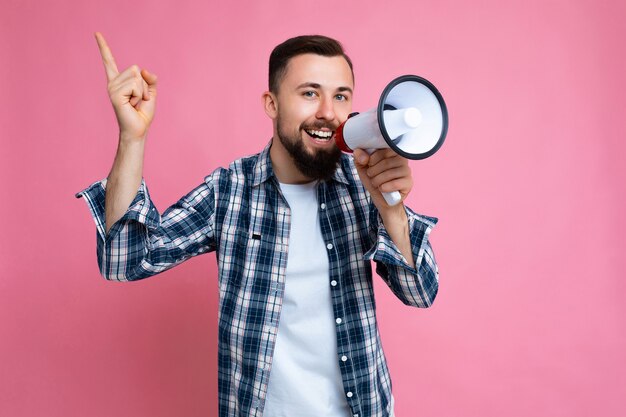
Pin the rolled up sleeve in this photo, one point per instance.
(415, 285)
(143, 242)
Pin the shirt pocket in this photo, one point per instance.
(247, 260)
(232, 258)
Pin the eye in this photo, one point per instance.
(309, 94)
(341, 97)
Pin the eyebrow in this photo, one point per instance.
(318, 86)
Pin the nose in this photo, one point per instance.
(326, 109)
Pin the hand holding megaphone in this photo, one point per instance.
(411, 118)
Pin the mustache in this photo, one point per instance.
(319, 125)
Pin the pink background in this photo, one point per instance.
(528, 187)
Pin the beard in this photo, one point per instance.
(319, 165)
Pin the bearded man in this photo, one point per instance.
(295, 229)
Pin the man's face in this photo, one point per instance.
(314, 98)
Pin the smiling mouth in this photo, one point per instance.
(321, 135)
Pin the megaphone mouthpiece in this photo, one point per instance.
(400, 121)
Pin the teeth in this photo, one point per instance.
(320, 134)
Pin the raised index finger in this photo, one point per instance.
(107, 57)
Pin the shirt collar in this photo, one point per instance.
(263, 168)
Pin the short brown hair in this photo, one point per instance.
(308, 44)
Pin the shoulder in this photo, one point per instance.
(240, 171)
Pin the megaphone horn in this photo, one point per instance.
(411, 118)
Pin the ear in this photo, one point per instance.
(270, 104)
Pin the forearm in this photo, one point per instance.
(124, 179)
(397, 225)
(412, 276)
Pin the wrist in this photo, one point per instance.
(393, 211)
(393, 215)
(128, 138)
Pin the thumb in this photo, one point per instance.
(361, 158)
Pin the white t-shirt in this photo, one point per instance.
(305, 380)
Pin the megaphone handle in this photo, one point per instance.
(393, 197)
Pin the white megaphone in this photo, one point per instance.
(411, 118)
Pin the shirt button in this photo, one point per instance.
(349, 394)
(338, 320)
(344, 358)
(323, 206)
(356, 415)
(329, 246)
(333, 283)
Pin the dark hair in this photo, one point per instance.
(309, 44)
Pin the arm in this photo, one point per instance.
(142, 242)
(134, 241)
(414, 283)
(133, 96)
(385, 171)
(397, 225)
(123, 180)
(402, 252)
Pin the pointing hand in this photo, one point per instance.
(132, 92)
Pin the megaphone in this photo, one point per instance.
(411, 118)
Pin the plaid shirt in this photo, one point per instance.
(240, 213)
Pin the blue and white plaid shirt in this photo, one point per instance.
(240, 213)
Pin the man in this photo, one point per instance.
(295, 228)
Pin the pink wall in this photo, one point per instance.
(528, 188)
